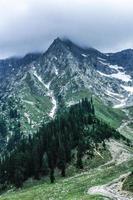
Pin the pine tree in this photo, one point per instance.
(79, 159)
(52, 178)
(61, 160)
(18, 177)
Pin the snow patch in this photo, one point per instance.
(56, 71)
(84, 55)
(101, 59)
(40, 80)
(115, 67)
(114, 94)
(121, 104)
(128, 88)
(50, 93)
(28, 102)
(28, 117)
(70, 103)
(52, 112)
(120, 75)
(119, 98)
(102, 62)
(7, 138)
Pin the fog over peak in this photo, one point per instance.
(32, 25)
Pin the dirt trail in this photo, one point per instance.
(112, 190)
(125, 128)
(120, 153)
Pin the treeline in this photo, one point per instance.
(52, 147)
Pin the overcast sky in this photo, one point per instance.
(31, 25)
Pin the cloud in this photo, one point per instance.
(31, 25)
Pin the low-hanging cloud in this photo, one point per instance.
(31, 25)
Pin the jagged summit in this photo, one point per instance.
(56, 44)
(61, 45)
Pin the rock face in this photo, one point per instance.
(31, 87)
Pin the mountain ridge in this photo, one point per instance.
(34, 84)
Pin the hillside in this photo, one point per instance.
(77, 185)
(108, 166)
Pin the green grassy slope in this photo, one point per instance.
(127, 126)
(76, 184)
(71, 188)
(108, 114)
(131, 110)
(36, 106)
(128, 183)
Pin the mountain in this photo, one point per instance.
(43, 128)
(124, 59)
(32, 87)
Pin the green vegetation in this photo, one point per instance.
(69, 188)
(109, 115)
(3, 128)
(37, 106)
(69, 148)
(130, 110)
(76, 129)
(131, 125)
(128, 183)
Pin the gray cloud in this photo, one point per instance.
(31, 25)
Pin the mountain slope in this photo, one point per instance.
(31, 92)
(102, 175)
(75, 186)
(33, 86)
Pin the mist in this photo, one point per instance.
(31, 25)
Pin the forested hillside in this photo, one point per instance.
(74, 132)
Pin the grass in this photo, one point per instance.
(43, 105)
(72, 187)
(130, 110)
(128, 183)
(38, 109)
(76, 184)
(131, 125)
(98, 160)
(111, 116)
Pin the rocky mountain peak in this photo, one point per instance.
(57, 45)
(65, 70)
